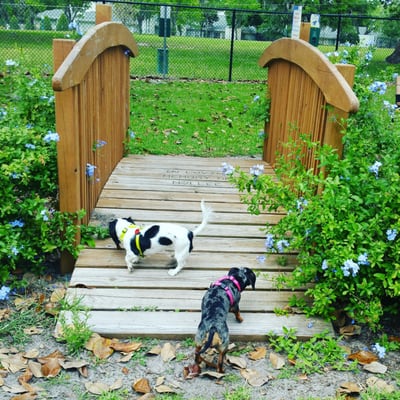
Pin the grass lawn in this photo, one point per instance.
(196, 118)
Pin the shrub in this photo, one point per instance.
(344, 222)
(31, 228)
(62, 23)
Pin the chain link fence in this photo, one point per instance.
(182, 41)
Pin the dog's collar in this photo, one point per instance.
(228, 292)
(131, 226)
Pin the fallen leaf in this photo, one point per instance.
(277, 361)
(57, 295)
(142, 385)
(25, 396)
(363, 357)
(25, 377)
(35, 368)
(51, 368)
(14, 363)
(5, 314)
(23, 303)
(100, 346)
(160, 380)
(33, 330)
(126, 358)
(33, 353)
(96, 387)
(380, 384)
(164, 389)
(394, 339)
(147, 396)
(168, 352)
(125, 347)
(253, 377)
(155, 351)
(258, 354)
(73, 364)
(116, 385)
(55, 354)
(350, 330)
(375, 367)
(349, 387)
(236, 361)
(213, 374)
(16, 389)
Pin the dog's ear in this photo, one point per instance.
(251, 276)
(233, 271)
(113, 233)
(130, 220)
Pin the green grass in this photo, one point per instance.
(189, 57)
(196, 118)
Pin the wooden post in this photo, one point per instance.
(305, 31)
(103, 13)
(67, 150)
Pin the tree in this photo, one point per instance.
(391, 28)
(62, 23)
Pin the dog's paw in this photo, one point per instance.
(173, 272)
(130, 268)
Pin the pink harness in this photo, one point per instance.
(226, 288)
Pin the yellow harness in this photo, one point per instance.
(137, 236)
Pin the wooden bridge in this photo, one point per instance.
(92, 116)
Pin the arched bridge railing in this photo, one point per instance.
(91, 85)
(308, 95)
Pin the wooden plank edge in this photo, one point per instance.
(177, 325)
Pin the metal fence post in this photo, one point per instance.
(232, 42)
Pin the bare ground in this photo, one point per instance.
(161, 365)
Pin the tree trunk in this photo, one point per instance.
(394, 58)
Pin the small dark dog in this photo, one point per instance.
(222, 296)
(140, 241)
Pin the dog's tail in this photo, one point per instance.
(210, 339)
(207, 212)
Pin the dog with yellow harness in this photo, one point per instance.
(140, 241)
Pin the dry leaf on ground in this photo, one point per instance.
(277, 361)
(349, 387)
(375, 367)
(168, 352)
(239, 362)
(96, 387)
(258, 354)
(380, 384)
(254, 378)
(142, 385)
(363, 357)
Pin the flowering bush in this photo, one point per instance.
(344, 222)
(31, 228)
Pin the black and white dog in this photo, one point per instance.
(141, 241)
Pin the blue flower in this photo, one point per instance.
(363, 259)
(11, 63)
(90, 170)
(256, 98)
(100, 143)
(374, 168)
(261, 134)
(132, 134)
(257, 170)
(261, 259)
(30, 146)
(324, 265)
(17, 223)
(281, 244)
(227, 169)
(51, 137)
(378, 87)
(269, 241)
(301, 203)
(14, 251)
(391, 234)
(4, 293)
(368, 56)
(44, 215)
(350, 267)
(379, 350)
(391, 108)
(310, 324)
